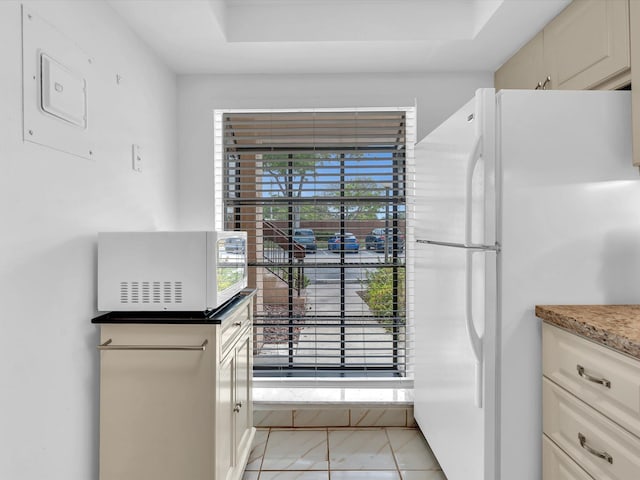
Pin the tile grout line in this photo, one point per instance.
(327, 431)
(393, 452)
(328, 457)
(264, 453)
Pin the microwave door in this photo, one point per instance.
(229, 267)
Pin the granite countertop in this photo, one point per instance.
(614, 326)
(204, 317)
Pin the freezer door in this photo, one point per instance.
(455, 178)
(455, 294)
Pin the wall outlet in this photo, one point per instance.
(136, 158)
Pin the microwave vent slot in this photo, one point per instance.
(156, 292)
(136, 292)
(145, 292)
(124, 292)
(178, 292)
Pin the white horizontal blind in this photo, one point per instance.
(316, 191)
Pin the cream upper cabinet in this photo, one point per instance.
(587, 44)
(585, 47)
(525, 69)
(591, 44)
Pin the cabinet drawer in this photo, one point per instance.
(235, 325)
(601, 447)
(578, 364)
(557, 465)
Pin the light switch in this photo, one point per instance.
(64, 92)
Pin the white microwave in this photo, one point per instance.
(170, 271)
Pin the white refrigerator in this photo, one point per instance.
(522, 198)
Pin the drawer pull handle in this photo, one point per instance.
(601, 381)
(604, 455)
(237, 324)
(108, 346)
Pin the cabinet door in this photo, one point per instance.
(525, 69)
(243, 411)
(225, 430)
(587, 44)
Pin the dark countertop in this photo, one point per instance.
(614, 326)
(210, 317)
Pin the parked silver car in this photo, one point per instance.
(306, 238)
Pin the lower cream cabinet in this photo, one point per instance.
(175, 399)
(591, 409)
(236, 413)
(634, 32)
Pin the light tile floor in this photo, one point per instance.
(341, 454)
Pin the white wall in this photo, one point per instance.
(51, 206)
(437, 96)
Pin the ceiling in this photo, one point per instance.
(335, 36)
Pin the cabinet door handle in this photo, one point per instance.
(237, 324)
(601, 381)
(544, 84)
(108, 345)
(600, 454)
(237, 407)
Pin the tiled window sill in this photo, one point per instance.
(328, 391)
(285, 397)
(331, 404)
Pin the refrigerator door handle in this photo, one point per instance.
(468, 246)
(476, 154)
(474, 339)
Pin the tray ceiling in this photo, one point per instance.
(335, 36)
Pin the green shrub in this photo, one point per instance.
(379, 294)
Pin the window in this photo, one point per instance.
(322, 195)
